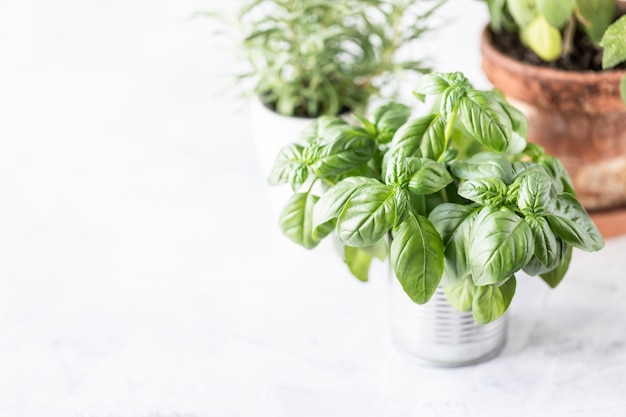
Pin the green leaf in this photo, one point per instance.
(571, 222)
(519, 124)
(484, 191)
(522, 11)
(416, 256)
(461, 294)
(420, 137)
(485, 120)
(321, 127)
(561, 181)
(544, 39)
(614, 44)
(296, 219)
(546, 245)
(349, 149)
(453, 223)
(484, 165)
(288, 162)
(358, 261)
(555, 276)
(432, 84)
(388, 119)
(332, 202)
(501, 244)
(427, 176)
(369, 214)
(534, 192)
(597, 14)
(556, 13)
(490, 301)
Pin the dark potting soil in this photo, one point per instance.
(584, 56)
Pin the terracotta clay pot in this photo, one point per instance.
(578, 117)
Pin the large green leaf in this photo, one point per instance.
(555, 276)
(407, 141)
(534, 192)
(428, 177)
(597, 14)
(369, 214)
(416, 256)
(571, 222)
(296, 220)
(321, 128)
(358, 261)
(561, 180)
(522, 11)
(461, 294)
(491, 301)
(614, 44)
(545, 40)
(546, 244)
(501, 244)
(484, 165)
(484, 191)
(289, 160)
(556, 13)
(485, 120)
(388, 118)
(332, 202)
(349, 149)
(453, 223)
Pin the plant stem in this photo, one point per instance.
(568, 37)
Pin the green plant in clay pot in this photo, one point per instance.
(563, 64)
(456, 198)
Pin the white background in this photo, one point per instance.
(142, 272)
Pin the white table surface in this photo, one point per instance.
(142, 273)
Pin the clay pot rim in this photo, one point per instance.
(583, 77)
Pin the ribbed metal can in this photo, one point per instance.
(436, 333)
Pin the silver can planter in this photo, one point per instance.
(438, 334)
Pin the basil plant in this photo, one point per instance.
(455, 198)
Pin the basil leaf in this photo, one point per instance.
(358, 261)
(296, 219)
(453, 223)
(461, 294)
(321, 128)
(546, 245)
(349, 149)
(484, 191)
(484, 165)
(560, 178)
(490, 301)
(417, 257)
(519, 124)
(288, 161)
(428, 177)
(388, 119)
(501, 244)
(534, 192)
(409, 139)
(555, 276)
(332, 202)
(432, 84)
(485, 120)
(571, 222)
(369, 214)
(450, 99)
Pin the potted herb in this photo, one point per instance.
(456, 200)
(307, 58)
(562, 62)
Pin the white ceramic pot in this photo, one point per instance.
(438, 334)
